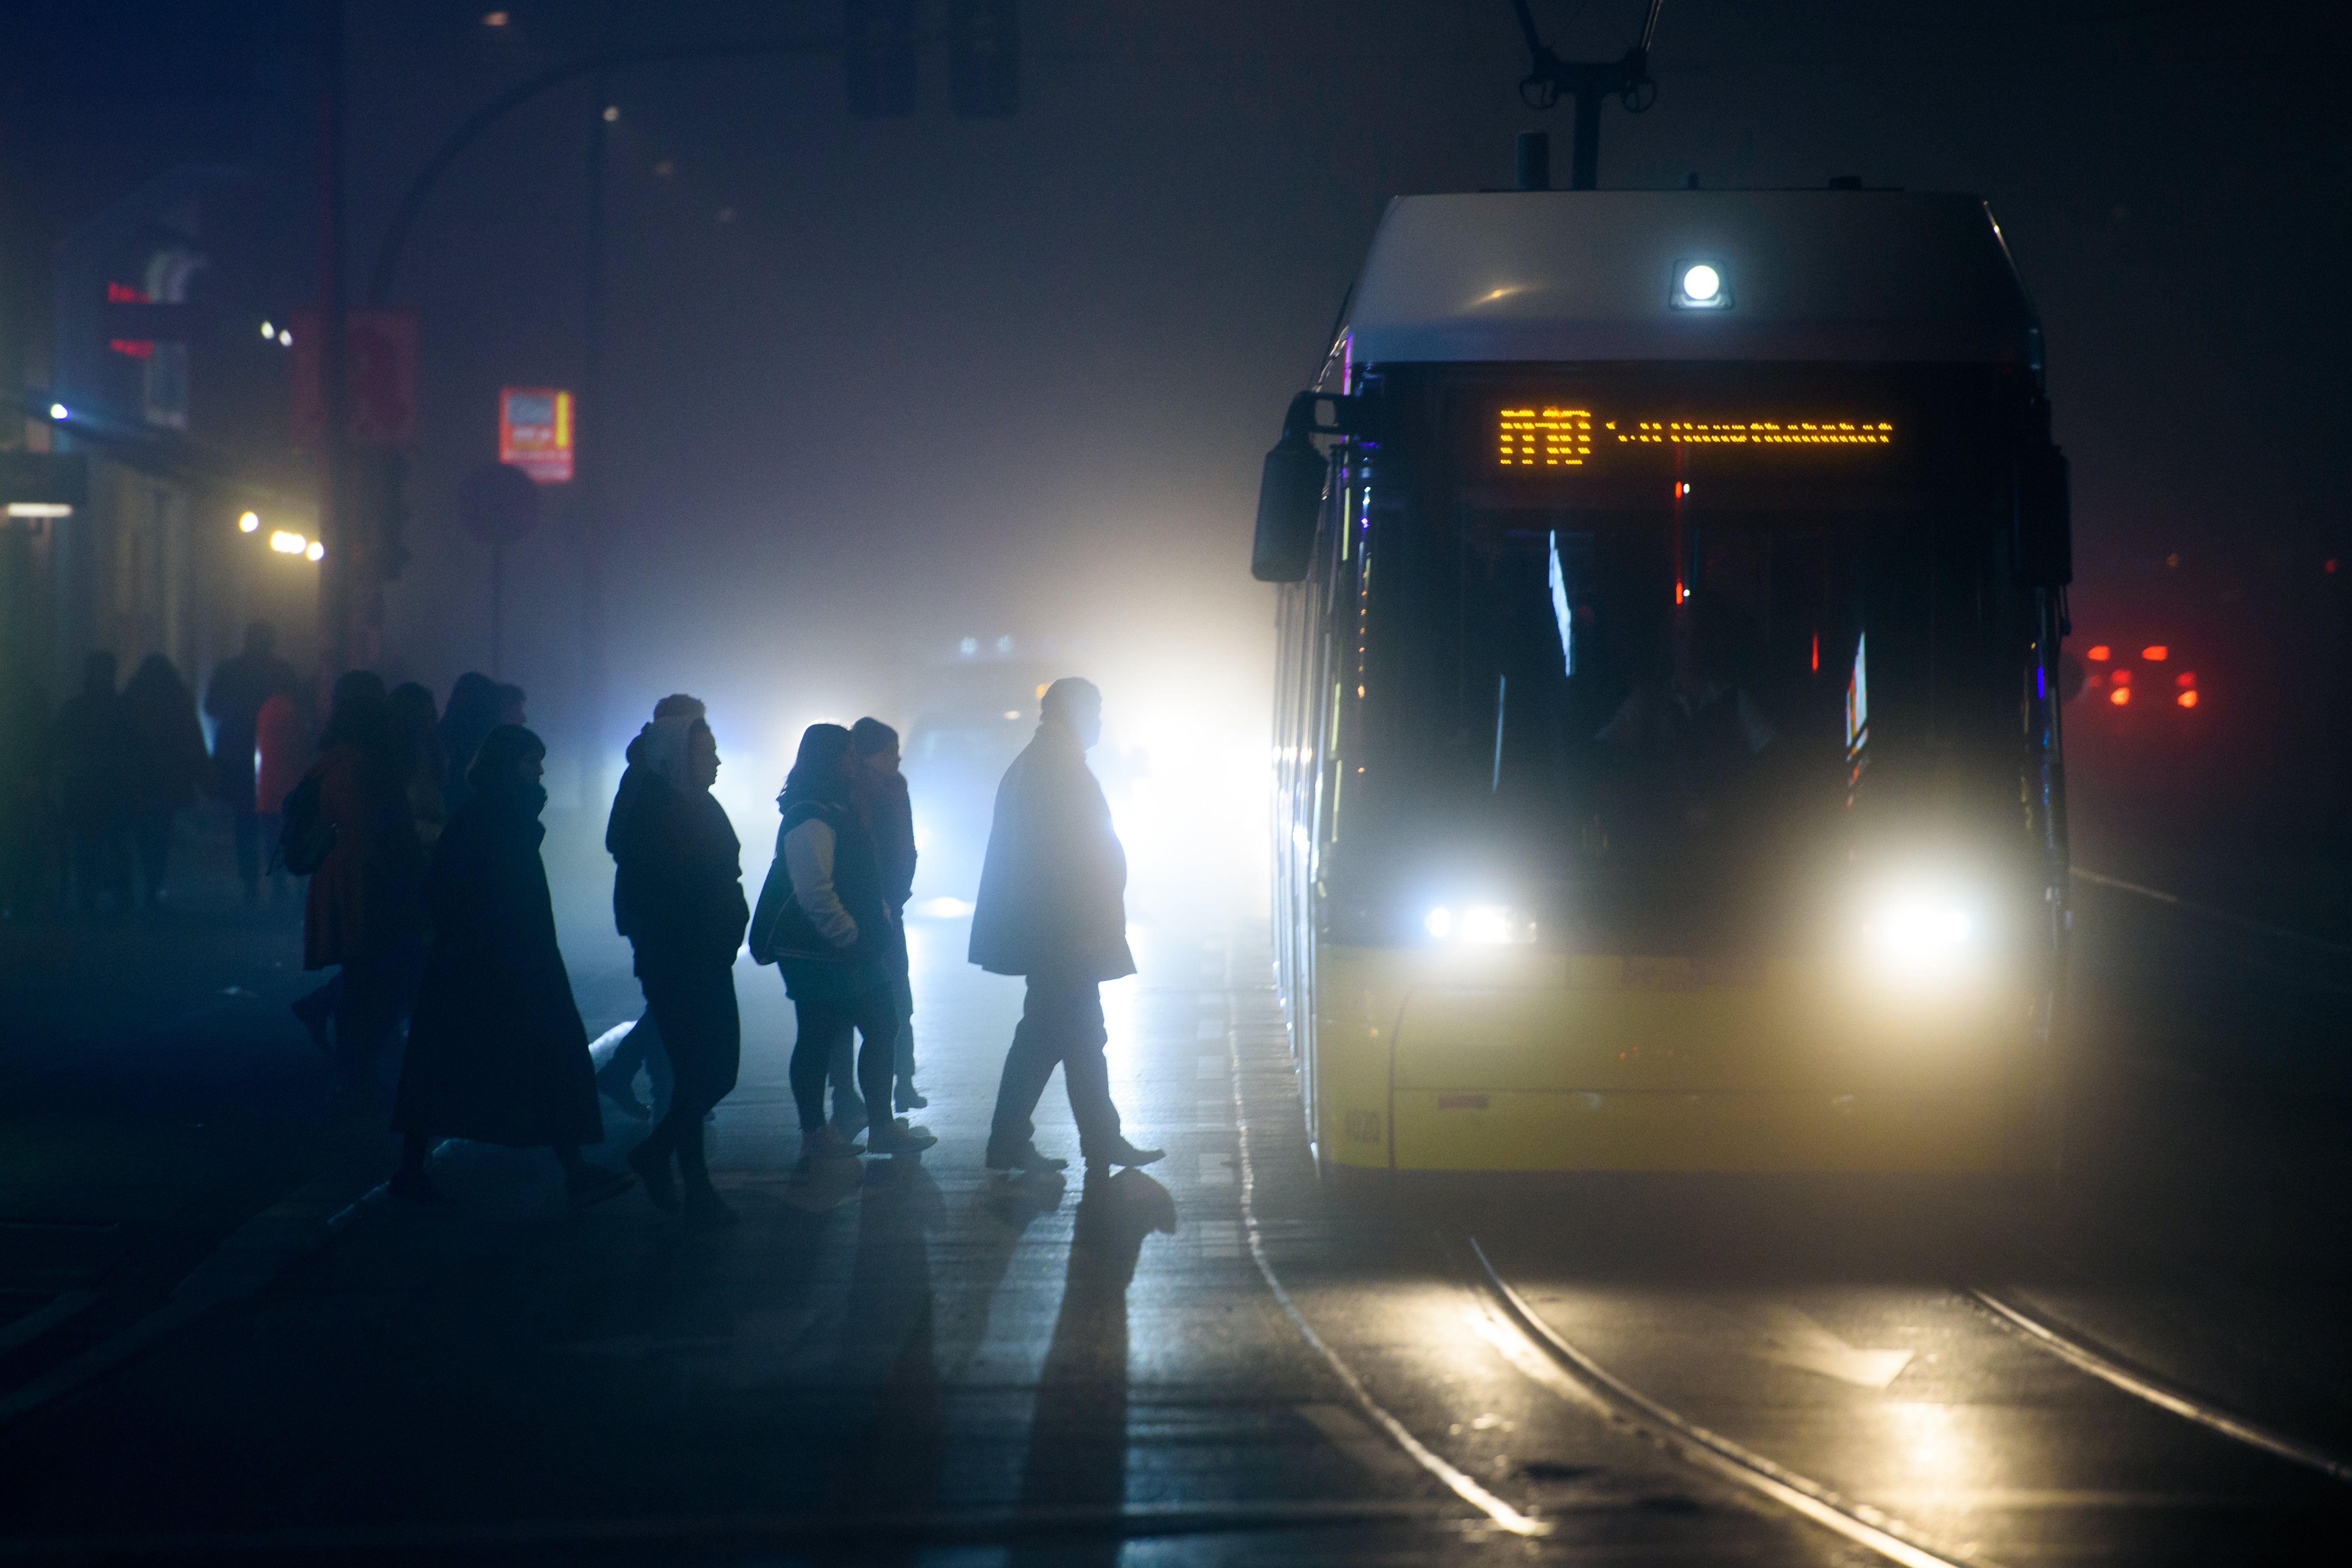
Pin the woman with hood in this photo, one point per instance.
(838, 947)
(677, 894)
(496, 1048)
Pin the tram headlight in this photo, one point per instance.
(1921, 934)
(1480, 925)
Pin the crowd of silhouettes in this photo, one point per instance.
(419, 830)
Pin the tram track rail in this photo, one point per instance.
(2086, 1355)
(1543, 1353)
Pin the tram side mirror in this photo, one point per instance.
(2045, 527)
(1289, 499)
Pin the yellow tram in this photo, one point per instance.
(1668, 773)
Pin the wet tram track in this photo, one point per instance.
(2023, 1466)
(1973, 1429)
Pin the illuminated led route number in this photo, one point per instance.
(1549, 437)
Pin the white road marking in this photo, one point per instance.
(1211, 1067)
(1213, 1029)
(1219, 1238)
(1346, 1431)
(1798, 1340)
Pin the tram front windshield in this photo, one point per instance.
(1651, 721)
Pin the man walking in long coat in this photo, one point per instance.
(1053, 908)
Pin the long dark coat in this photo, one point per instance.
(496, 1050)
(366, 897)
(1053, 889)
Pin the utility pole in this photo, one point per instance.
(589, 433)
(341, 573)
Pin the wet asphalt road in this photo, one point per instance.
(914, 1360)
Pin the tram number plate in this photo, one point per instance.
(1693, 975)
(1364, 1126)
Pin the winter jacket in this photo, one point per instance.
(837, 937)
(1053, 887)
(367, 897)
(889, 817)
(281, 736)
(496, 1048)
(677, 876)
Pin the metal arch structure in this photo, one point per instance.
(1588, 82)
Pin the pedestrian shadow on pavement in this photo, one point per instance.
(1077, 1444)
(896, 1429)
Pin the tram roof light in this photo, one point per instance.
(2156, 652)
(1700, 286)
(59, 411)
(249, 523)
(317, 551)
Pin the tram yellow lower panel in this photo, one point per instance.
(1439, 1130)
(1536, 1061)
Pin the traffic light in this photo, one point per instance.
(877, 57)
(984, 59)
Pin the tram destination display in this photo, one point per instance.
(1534, 436)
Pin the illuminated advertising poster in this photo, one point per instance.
(535, 431)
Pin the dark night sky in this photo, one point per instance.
(933, 376)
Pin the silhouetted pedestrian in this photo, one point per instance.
(641, 1048)
(1052, 907)
(417, 760)
(24, 835)
(471, 713)
(678, 889)
(889, 815)
(91, 748)
(169, 764)
(283, 752)
(365, 911)
(496, 1048)
(239, 687)
(837, 946)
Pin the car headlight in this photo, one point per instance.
(1480, 925)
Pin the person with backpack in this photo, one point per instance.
(347, 822)
(496, 1050)
(830, 931)
(677, 891)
